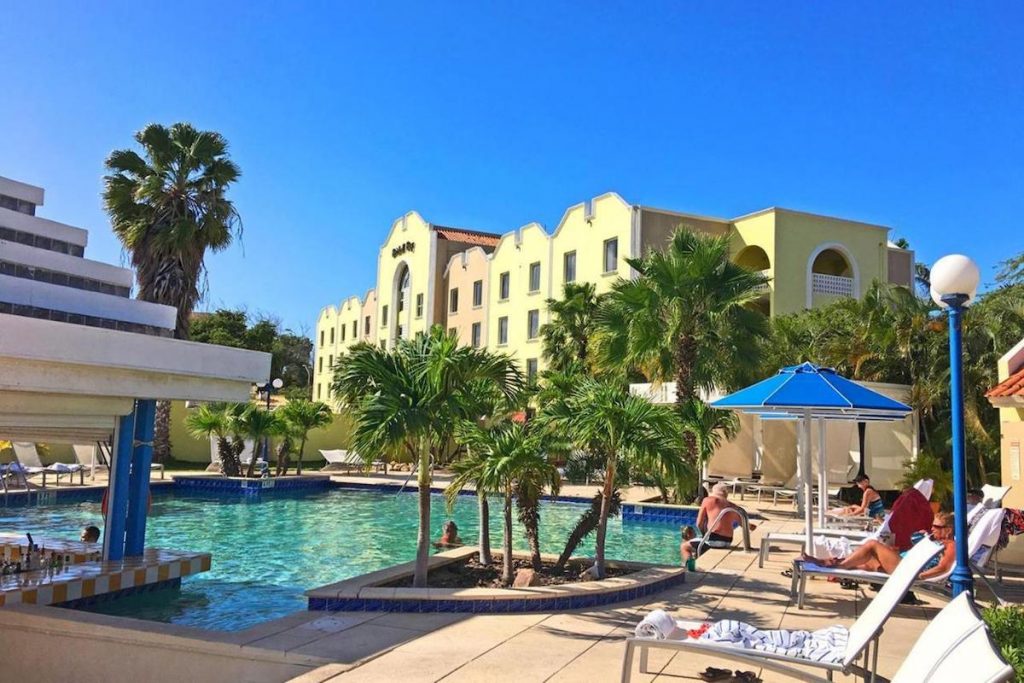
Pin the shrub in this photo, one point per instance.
(1007, 627)
(927, 466)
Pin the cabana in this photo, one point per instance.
(808, 393)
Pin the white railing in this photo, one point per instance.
(763, 287)
(831, 284)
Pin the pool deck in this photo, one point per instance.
(580, 645)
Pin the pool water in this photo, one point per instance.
(266, 555)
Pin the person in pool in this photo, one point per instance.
(720, 536)
(871, 503)
(875, 556)
(449, 535)
(90, 534)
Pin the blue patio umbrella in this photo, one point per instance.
(807, 392)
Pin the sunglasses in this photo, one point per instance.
(940, 526)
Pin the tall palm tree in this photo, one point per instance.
(258, 424)
(625, 428)
(707, 427)
(303, 416)
(566, 338)
(686, 316)
(168, 206)
(217, 420)
(412, 397)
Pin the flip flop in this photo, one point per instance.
(713, 674)
(788, 573)
(746, 677)
(848, 584)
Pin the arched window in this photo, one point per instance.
(832, 262)
(831, 271)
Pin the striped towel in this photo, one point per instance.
(823, 645)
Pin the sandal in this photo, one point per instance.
(713, 674)
(788, 573)
(746, 677)
(848, 584)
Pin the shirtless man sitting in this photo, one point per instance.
(721, 535)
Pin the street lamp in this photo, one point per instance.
(269, 388)
(954, 283)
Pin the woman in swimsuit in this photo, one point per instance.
(870, 504)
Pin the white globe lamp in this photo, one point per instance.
(952, 275)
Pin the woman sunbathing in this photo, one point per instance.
(870, 504)
(875, 556)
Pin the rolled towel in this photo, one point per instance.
(658, 625)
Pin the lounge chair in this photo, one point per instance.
(87, 458)
(342, 459)
(27, 456)
(243, 457)
(980, 546)
(954, 647)
(862, 640)
(780, 538)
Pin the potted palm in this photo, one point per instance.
(927, 466)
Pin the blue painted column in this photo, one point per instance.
(138, 486)
(961, 579)
(117, 489)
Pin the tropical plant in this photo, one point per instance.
(511, 460)
(587, 523)
(927, 466)
(687, 316)
(301, 417)
(217, 421)
(169, 207)
(411, 397)
(707, 427)
(602, 416)
(1006, 624)
(566, 338)
(259, 425)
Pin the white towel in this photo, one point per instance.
(828, 547)
(658, 625)
(925, 487)
(824, 645)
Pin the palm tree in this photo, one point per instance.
(566, 338)
(510, 460)
(217, 420)
(625, 428)
(169, 207)
(412, 397)
(258, 424)
(707, 426)
(687, 316)
(303, 416)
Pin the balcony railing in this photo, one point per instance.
(832, 284)
(764, 288)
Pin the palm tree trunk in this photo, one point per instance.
(162, 432)
(485, 528)
(302, 449)
(250, 471)
(602, 523)
(506, 560)
(423, 539)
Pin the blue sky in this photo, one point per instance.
(343, 116)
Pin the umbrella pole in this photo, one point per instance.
(822, 474)
(807, 483)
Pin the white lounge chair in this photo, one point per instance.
(954, 647)
(27, 455)
(980, 545)
(341, 459)
(862, 642)
(243, 457)
(781, 538)
(86, 456)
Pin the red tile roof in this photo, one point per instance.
(483, 239)
(1011, 386)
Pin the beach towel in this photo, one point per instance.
(831, 546)
(1013, 525)
(911, 512)
(824, 645)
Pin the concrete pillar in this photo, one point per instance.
(117, 489)
(138, 486)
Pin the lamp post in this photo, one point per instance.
(267, 389)
(954, 283)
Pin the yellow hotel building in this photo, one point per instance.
(491, 288)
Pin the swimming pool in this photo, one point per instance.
(266, 555)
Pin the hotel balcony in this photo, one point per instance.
(833, 285)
